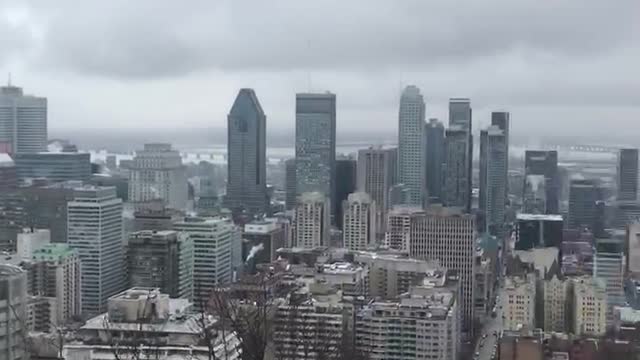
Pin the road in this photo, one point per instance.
(492, 324)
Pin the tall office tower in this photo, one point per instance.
(161, 259)
(157, 173)
(545, 163)
(377, 172)
(493, 179)
(246, 155)
(94, 229)
(608, 265)
(55, 273)
(290, 183)
(399, 195)
(589, 306)
(359, 231)
(23, 121)
(316, 144)
(311, 221)
(584, 199)
(13, 282)
(435, 159)
(399, 226)
(8, 173)
(431, 309)
(52, 166)
(520, 308)
(449, 236)
(212, 242)
(411, 144)
(628, 174)
(502, 119)
(155, 215)
(459, 149)
(345, 185)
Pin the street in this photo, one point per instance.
(485, 346)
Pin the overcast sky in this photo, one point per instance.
(568, 64)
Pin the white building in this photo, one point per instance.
(399, 226)
(411, 144)
(422, 324)
(30, 240)
(633, 248)
(212, 253)
(311, 220)
(23, 121)
(589, 306)
(95, 230)
(143, 319)
(157, 172)
(520, 307)
(376, 174)
(359, 224)
(449, 236)
(58, 276)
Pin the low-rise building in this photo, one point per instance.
(519, 309)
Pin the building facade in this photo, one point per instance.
(23, 121)
(520, 307)
(8, 173)
(264, 237)
(628, 174)
(545, 163)
(95, 230)
(157, 173)
(399, 226)
(589, 307)
(246, 155)
(13, 310)
(459, 147)
(290, 183)
(411, 144)
(435, 159)
(55, 167)
(345, 185)
(493, 179)
(556, 296)
(359, 225)
(585, 199)
(311, 221)
(377, 173)
(316, 144)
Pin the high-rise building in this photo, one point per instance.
(628, 174)
(359, 230)
(502, 119)
(157, 173)
(538, 231)
(30, 240)
(411, 144)
(311, 221)
(212, 242)
(493, 179)
(633, 248)
(13, 282)
(261, 239)
(290, 183)
(56, 167)
(399, 226)
(428, 314)
(435, 159)
(584, 199)
(456, 190)
(95, 230)
(459, 147)
(377, 173)
(556, 296)
(345, 185)
(316, 144)
(608, 265)
(23, 121)
(246, 155)
(449, 236)
(55, 273)
(520, 307)
(545, 163)
(8, 173)
(589, 306)
(161, 259)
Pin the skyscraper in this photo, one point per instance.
(411, 144)
(459, 148)
(94, 229)
(290, 183)
(449, 236)
(316, 144)
(345, 185)
(435, 159)
(311, 221)
(502, 119)
(628, 174)
(359, 231)
(584, 199)
(23, 121)
(212, 245)
(157, 173)
(246, 155)
(377, 173)
(493, 178)
(545, 163)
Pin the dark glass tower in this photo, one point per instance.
(345, 185)
(545, 163)
(459, 144)
(435, 159)
(586, 206)
(246, 155)
(628, 174)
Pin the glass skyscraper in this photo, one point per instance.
(411, 144)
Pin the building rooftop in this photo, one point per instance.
(53, 251)
(539, 217)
